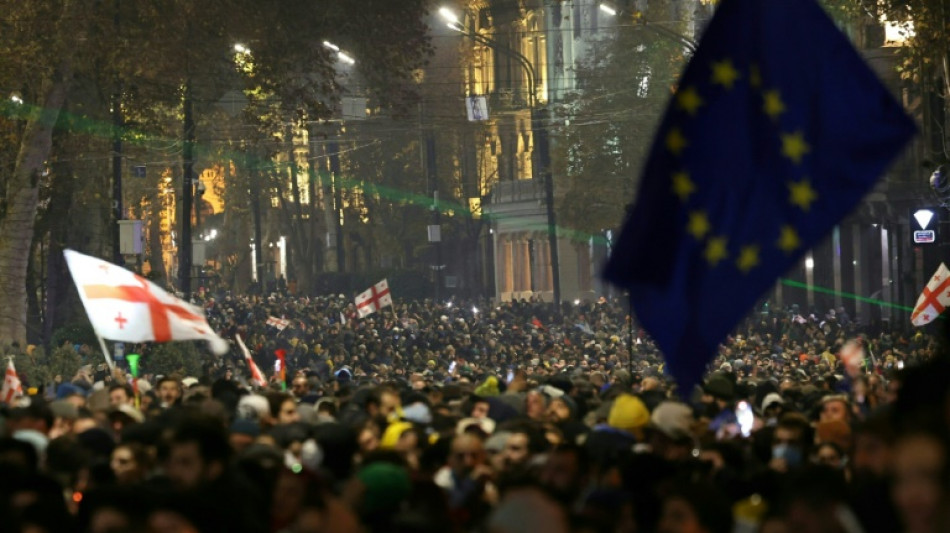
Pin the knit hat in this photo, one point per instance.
(392, 434)
(417, 412)
(64, 409)
(243, 426)
(569, 402)
(771, 399)
(673, 419)
(628, 413)
(720, 387)
(488, 388)
(386, 486)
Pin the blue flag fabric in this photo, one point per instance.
(777, 130)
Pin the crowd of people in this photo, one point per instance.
(471, 416)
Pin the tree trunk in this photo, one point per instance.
(16, 228)
(156, 261)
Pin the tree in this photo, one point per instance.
(611, 121)
(147, 54)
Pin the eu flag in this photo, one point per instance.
(777, 130)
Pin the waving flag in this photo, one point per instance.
(257, 377)
(774, 134)
(373, 299)
(279, 323)
(934, 299)
(12, 388)
(124, 306)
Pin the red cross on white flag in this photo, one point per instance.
(373, 299)
(934, 299)
(12, 388)
(279, 323)
(257, 377)
(124, 306)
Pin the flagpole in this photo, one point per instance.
(105, 353)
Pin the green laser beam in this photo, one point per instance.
(83, 124)
(852, 296)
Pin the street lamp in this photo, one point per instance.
(340, 54)
(538, 132)
(690, 44)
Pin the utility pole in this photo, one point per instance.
(256, 213)
(116, 156)
(333, 146)
(538, 119)
(188, 155)
(435, 229)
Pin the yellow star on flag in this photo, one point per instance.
(683, 186)
(794, 146)
(724, 73)
(716, 250)
(675, 141)
(788, 240)
(773, 106)
(698, 225)
(748, 258)
(688, 100)
(801, 194)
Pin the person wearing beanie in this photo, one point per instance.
(377, 493)
(562, 408)
(243, 433)
(489, 387)
(629, 414)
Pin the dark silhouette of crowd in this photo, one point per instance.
(470, 416)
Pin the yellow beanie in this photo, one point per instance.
(628, 413)
(488, 388)
(392, 434)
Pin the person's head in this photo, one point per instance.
(564, 472)
(918, 489)
(835, 408)
(169, 391)
(130, 463)
(790, 441)
(283, 408)
(561, 408)
(695, 508)
(831, 455)
(873, 442)
(199, 452)
(467, 452)
(120, 395)
(383, 401)
(300, 387)
(536, 404)
(480, 409)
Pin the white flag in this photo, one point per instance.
(934, 299)
(279, 323)
(124, 306)
(257, 377)
(373, 299)
(12, 388)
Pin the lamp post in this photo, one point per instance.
(667, 33)
(540, 135)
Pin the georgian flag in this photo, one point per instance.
(934, 299)
(279, 323)
(12, 388)
(373, 299)
(124, 306)
(257, 377)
